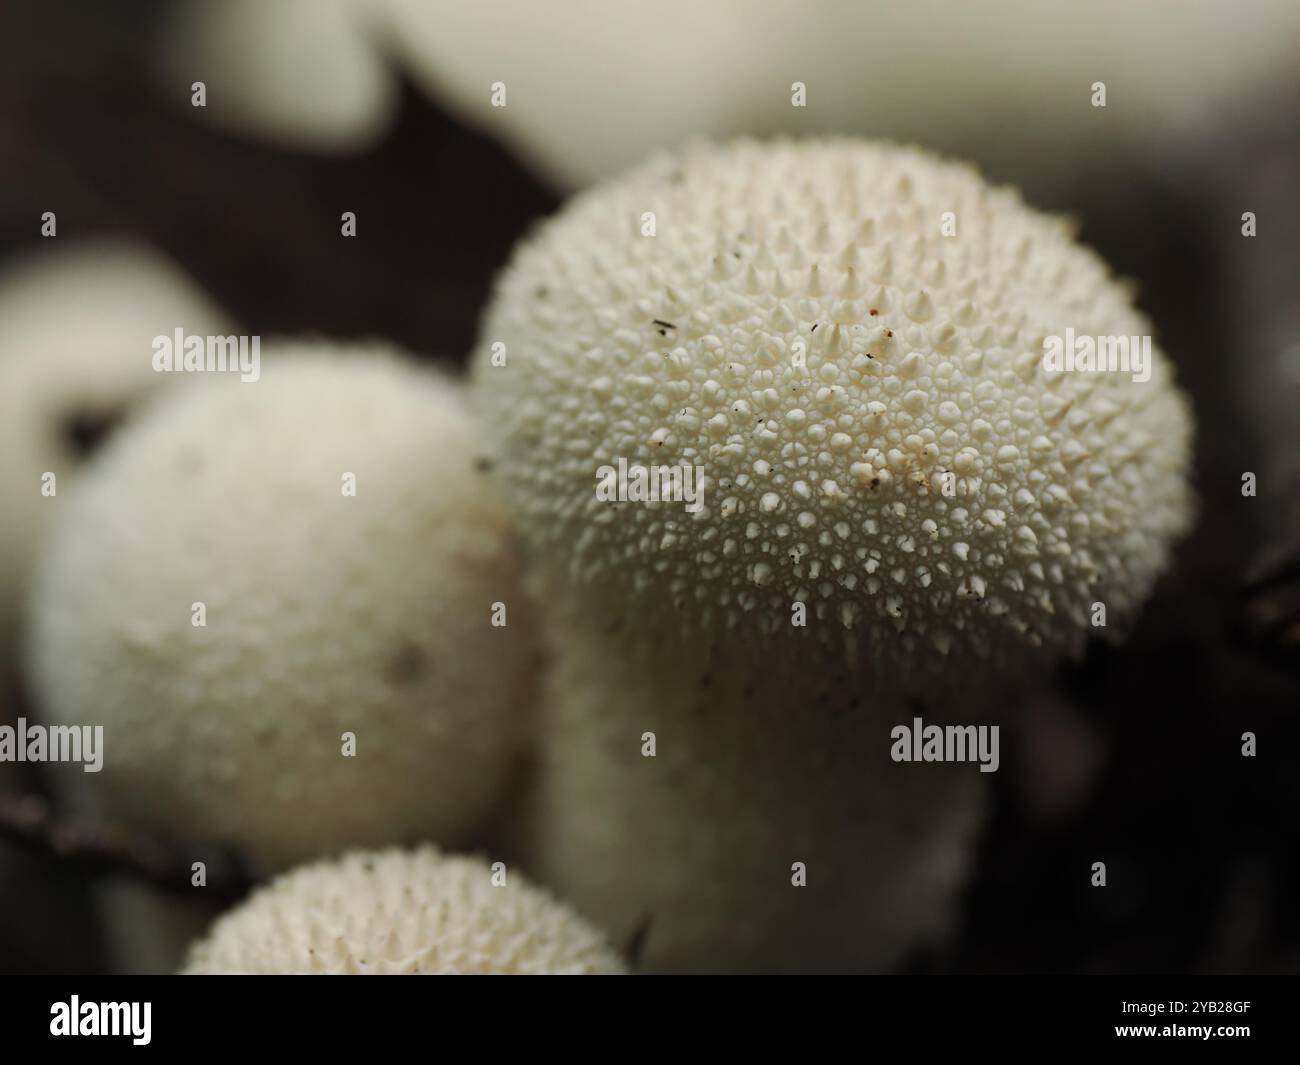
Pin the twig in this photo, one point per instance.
(31, 823)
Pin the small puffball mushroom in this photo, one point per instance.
(295, 608)
(402, 913)
(897, 504)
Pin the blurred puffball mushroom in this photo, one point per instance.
(930, 70)
(76, 331)
(648, 96)
(297, 72)
(318, 74)
(402, 913)
(901, 509)
(295, 608)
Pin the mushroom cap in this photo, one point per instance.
(401, 912)
(325, 614)
(864, 393)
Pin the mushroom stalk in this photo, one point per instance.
(732, 818)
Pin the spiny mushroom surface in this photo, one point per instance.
(864, 393)
(904, 512)
(402, 912)
(346, 684)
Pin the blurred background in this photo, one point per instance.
(232, 211)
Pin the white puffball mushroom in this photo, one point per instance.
(929, 69)
(294, 606)
(902, 506)
(485, 67)
(316, 73)
(76, 331)
(301, 73)
(397, 912)
(866, 397)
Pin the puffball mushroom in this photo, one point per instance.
(402, 913)
(902, 508)
(734, 64)
(300, 73)
(294, 607)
